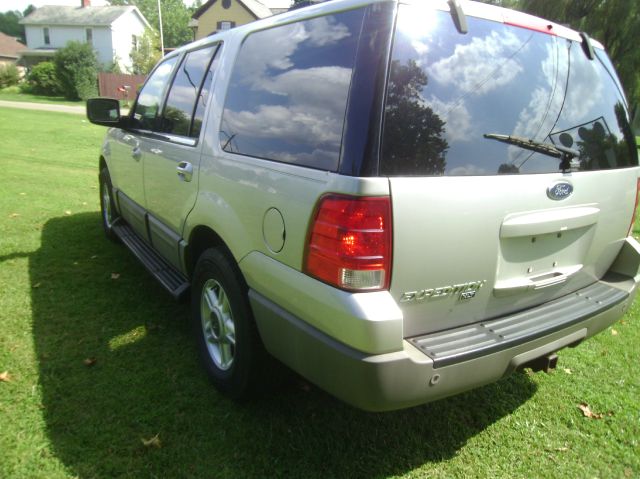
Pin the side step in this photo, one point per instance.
(474, 340)
(172, 279)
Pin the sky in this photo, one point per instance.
(20, 5)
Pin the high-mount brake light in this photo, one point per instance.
(529, 22)
(349, 243)
(635, 208)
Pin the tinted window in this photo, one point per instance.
(447, 90)
(185, 91)
(203, 97)
(288, 91)
(150, 98)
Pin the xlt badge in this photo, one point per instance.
(464, 290)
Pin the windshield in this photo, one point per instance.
(447, 90)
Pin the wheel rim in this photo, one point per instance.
(217, 324)
(106, 205)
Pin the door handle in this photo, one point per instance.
(185, 170)
(136, 153)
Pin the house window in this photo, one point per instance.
(226, 25)
(134, 43)
(47, 40)
(89, 36)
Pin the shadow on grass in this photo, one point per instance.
(146, 381)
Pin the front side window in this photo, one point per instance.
(45, 32)
(186, 90)
(446, 91)
(288, 91)
(146, 112)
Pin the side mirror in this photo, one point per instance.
(104, 111)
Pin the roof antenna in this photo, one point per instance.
(458, 16)
(587, 46)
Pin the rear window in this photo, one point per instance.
(447, 90)
(288, 91)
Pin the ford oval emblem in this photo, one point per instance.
(560, 190)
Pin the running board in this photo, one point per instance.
(172, 279)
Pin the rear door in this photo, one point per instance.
(172, 156)
(483, 228)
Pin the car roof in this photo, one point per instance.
(471, 8)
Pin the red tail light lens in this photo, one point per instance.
(635, 208)
(349, 243)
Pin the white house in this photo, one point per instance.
(113, 31)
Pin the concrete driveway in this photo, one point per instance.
(79, 110)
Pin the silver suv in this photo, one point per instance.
(398, 200)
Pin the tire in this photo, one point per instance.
(107, 206)
(223, 325)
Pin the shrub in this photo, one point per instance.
(77, 70)
(43, 79)
(12, 89)
(9, 75)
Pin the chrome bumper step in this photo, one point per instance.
(474, 340)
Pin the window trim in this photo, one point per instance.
(217, 47)
(168, 137)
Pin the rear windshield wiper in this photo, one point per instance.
(565, 154)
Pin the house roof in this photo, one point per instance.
(10, 47)
(95, 16)
(254, 6)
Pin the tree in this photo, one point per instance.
(144, 58)
(414, 140)
(9, 22)
(175, 19)
(77, 70)
(615, 23)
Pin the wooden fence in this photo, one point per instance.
(120, 86)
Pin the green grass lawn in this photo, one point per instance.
(11, 95)
(60, 418)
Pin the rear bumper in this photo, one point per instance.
(446, 363)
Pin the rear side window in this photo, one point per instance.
(288, 91)
(447, 90)
(190, 85)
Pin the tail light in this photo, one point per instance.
(635, 208)
(349, 244)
